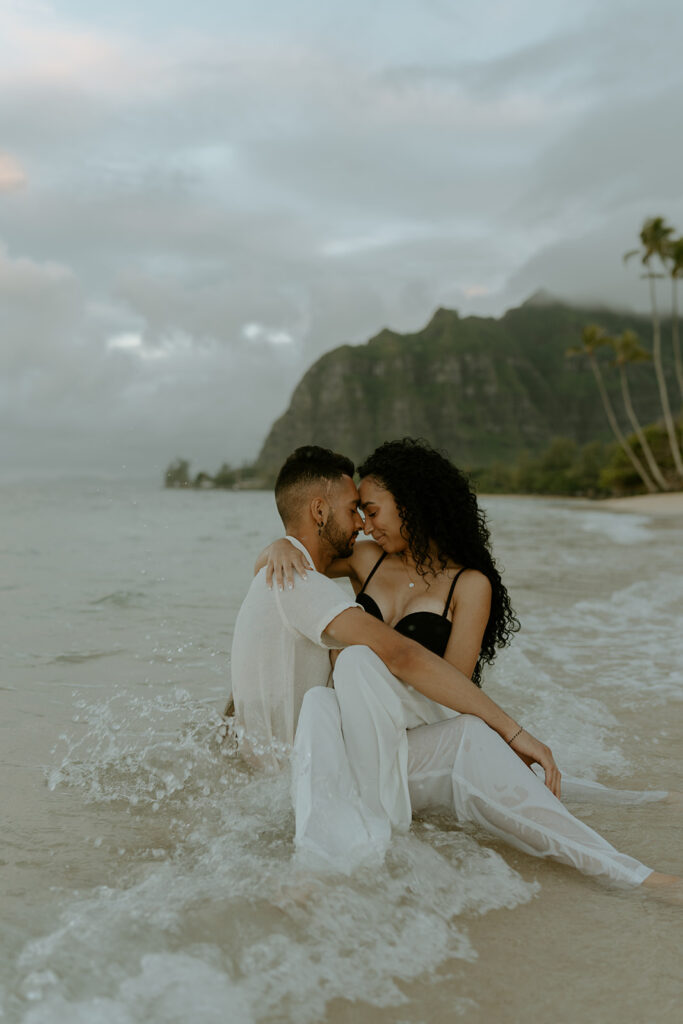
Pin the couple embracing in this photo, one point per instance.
(399, 724)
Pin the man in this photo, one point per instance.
(381, 743)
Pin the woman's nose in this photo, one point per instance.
(367, 525)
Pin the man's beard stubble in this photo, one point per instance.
(340, 542)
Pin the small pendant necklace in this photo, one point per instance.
(410, 582)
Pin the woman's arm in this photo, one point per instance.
(282, 560)
(470, 616)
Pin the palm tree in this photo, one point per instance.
(676, 269)
(655, 238)
(593, 338)
(627, 349)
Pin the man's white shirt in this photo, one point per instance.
(279, 651)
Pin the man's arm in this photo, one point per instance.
(441, 682)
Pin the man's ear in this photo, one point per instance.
(320, 510)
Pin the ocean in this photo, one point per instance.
(146, 872)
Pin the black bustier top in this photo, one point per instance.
(428, 628)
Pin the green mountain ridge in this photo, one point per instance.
(483, 389)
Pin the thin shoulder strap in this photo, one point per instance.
(372, 573)
(450, 592)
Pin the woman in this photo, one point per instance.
(428, 536)
(429, 573)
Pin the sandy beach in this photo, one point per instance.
(657, 505)
(646, 504)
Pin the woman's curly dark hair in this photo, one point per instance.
(437, 506)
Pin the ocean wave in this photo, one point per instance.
(630, 641)
(122, 599)
(78, 657)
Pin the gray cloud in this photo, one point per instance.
(177, 190)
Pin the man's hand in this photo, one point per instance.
(532, 751)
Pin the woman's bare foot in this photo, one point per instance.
(668, 887)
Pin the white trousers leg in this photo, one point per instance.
(463, 765)
(593, 792)
(334, 829)
(376, 709)
(373, 750)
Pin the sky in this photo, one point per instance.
(199, 200)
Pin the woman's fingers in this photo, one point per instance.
(301, 564)
(552, 775)
(281, 570)
(552, 772)
(527, 746)
(294, 563)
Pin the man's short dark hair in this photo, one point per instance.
(306, 465)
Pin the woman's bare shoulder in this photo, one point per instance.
(358, 564)
(365, 555)
(474, 584)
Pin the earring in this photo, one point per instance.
(320, 528)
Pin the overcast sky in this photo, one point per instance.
(197, 200)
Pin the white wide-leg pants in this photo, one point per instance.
(372, 751)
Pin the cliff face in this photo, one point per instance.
(483, 389)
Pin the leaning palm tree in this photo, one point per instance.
(655, 238)
(675, 251)
(593, 338)
(627, 349)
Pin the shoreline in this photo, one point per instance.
(663, 505)
(659, 505)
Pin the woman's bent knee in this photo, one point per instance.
(319, 700)
(354, 656)
(476, 728)
(351, 666)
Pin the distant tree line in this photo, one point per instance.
(593, 470)
(227, 477)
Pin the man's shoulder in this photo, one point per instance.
(258, 598)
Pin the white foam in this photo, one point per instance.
(620, 527)
(283, 943)
(631, 640)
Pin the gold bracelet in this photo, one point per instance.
(521, 729)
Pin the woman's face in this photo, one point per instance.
(382, 521)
